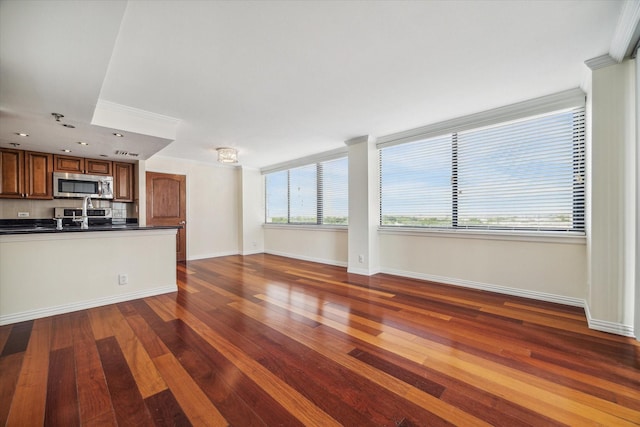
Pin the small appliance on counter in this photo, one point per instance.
(97, 216)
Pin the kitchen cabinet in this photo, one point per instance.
(122, 182)
(81, 165)
(26, 174)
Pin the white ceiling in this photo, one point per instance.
(277, 80)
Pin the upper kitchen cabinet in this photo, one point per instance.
(11, 173)
(26, 174)
(80, 165)
(122, 182)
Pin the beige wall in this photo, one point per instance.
(47, 274)
(213, 205)
(543, 269)
(327, 246)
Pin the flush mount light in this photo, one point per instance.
(67, 125)
(22, 134)
(119, 135)
(227, 155)
(83, 143)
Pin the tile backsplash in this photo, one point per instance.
(43, 209)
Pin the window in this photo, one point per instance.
(521, 175)
(310, 194)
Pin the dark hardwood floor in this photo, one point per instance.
(265, 340)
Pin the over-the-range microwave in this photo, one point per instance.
(81, 185)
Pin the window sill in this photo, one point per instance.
(312, 227)
(566, 237)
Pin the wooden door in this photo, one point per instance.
(97, 167)
(68, 164)
(166, 205)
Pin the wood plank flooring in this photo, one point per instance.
(263, 340)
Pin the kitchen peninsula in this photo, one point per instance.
(44, 271)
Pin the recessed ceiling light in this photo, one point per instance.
(14, 144)
(119, 135)
(66, 150)
(22, 134)
(83, 143)
(103, 155)
(67, 125)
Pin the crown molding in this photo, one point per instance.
(627, 31)
(600, 62)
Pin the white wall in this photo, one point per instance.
(46, 274)
(544, 269)
(325, 245)
(252, 211)
(213, 205)
(612, 195)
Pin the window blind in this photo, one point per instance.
(526, 174)
(334, 184)
(312, 194)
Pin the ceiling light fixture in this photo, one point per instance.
(66, 150)
(83, 143)
(14, 144)
(227, 155)
(22, 134)
(119, 135)
(67, 125)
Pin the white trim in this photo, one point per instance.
(310, 227)
(600, 62)
(505, 235)
(308, 160)
(627, 31)
(307, 258)
(606, 326)
(363, 271)
(83, 305)
(212, 255)
(545, 104)
(541, 296)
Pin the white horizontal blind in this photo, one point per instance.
(303, 187)
(317, 193)
(333, 179)
(527, 174)
(415, 183)
(277, 198)
(523, 175)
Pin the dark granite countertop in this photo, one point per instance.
(41, 229)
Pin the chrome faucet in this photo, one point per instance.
(85, 218)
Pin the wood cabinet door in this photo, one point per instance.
(166, 205)
(122, 182)
(38, 175)
(68, 164)
(11, 173)
(97, 167)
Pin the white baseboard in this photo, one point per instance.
(306, 258)
(606, 326)
(542, 296)
(362, 271)
(211, 255)
(83, 305)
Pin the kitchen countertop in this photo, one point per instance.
(39, 229)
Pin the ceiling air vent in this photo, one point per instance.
(126, 153)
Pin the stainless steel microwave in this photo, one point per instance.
(67, 185)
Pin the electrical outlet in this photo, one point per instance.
(23, 214)
(360, 259)
(123, 279)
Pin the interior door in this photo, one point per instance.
(166, 205)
